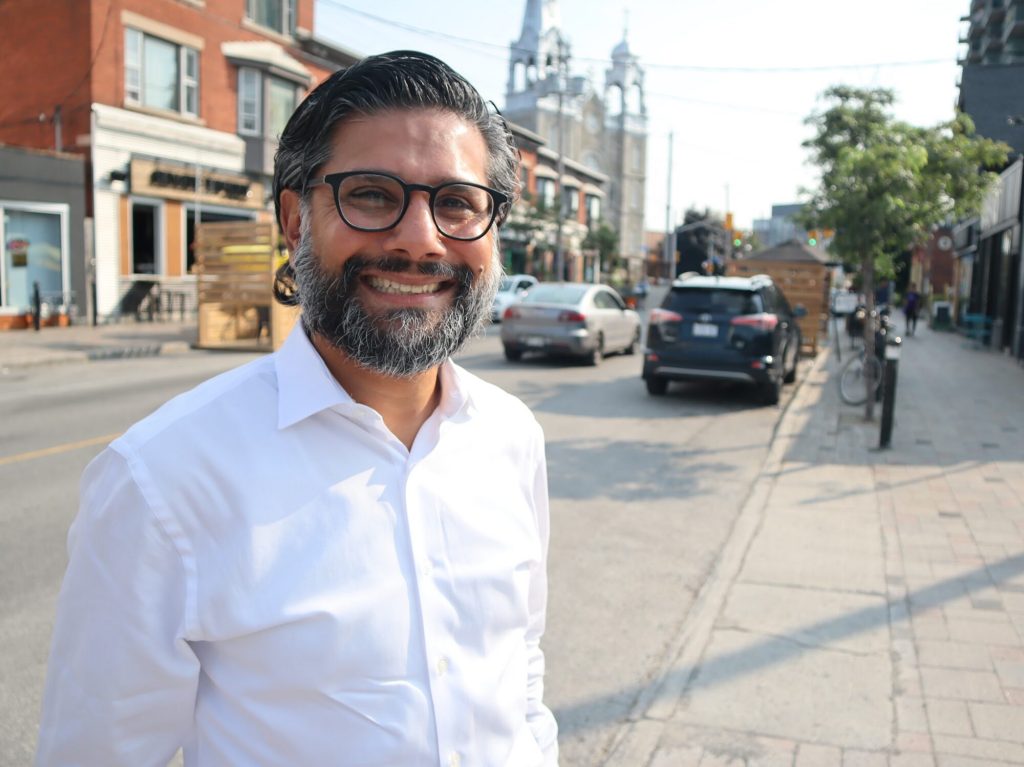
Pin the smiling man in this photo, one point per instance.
(335, 555)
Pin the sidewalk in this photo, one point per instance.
(868, 610)
(80, 343)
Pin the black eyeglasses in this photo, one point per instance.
(376, 202)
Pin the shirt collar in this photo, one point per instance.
(306, 386)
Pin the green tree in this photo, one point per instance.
(605, 241)
(885, 183)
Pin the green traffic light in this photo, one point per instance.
(812, 241)
(737, 242)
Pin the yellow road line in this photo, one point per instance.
(56, 449)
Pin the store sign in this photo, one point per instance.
(185, 182)
(17, 248)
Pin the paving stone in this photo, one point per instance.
(998, 721)
(911, 760)
(910, 714)
(983, 632)
(978, 748)
(677, 757)
(949, 717)
(808, 755)
(953, 655)
(1010, 673)
(960, 684)
(857, 758)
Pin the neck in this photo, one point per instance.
(404, 403)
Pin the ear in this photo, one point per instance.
(291, 218)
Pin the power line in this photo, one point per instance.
(432, 33)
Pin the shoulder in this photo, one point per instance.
(492, 403)
(246, 394)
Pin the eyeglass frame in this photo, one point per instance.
(334, 181)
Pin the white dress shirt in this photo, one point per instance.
(262, 574)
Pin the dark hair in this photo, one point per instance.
(395, 80)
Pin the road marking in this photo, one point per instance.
(57, 449)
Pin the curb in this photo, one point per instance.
(637, 740)
(47, 357)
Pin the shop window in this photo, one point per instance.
(32, 253)
(144, 238)
(278, 15)
(205, 217)
(160, 74)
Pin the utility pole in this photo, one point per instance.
(58, 129)
(562, 78)
(669, 233)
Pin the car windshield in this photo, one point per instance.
(555, 294)
(506, 285)
(714, 301)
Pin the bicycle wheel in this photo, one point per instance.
(852, 387)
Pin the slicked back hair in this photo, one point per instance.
(389, 81)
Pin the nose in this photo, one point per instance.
(416, 234)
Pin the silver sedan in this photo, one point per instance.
(575, 318)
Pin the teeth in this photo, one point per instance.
(387, 286)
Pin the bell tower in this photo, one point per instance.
(533, 64)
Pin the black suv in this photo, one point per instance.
(723, 329)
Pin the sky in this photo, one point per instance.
(733, 82)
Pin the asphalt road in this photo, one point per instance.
(644, 493)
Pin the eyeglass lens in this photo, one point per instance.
(371, 201)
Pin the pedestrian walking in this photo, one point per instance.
(911, 306)
(334, 555)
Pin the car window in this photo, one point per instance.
(506, 285)
(523, 284)
(604, 300)
(712, 301)
(619, 303)
(555, 294)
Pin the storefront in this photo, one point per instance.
(153, 179)
(42, 240)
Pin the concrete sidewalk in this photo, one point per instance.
(81, 343)
(868, 610)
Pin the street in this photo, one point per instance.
(644, 495)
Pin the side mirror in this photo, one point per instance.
(799, 311)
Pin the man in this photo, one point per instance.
(334, 555)
(911, 306)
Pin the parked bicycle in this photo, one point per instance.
(853, 388)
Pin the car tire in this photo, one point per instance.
(631, 349)
(770, 391)
(656, 386)
(512, 354)
(790, 377)
(597, 354)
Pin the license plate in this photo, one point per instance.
(705, 330)
(534, 341)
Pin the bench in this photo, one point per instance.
(977, 328)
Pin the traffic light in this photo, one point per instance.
(737, 239)
(812, 237)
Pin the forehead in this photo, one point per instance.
(420, 145)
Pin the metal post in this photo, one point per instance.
(37, 306)
(669, 249)
(559, 202)
(892, 361)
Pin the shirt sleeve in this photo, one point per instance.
(538, 716)
(121, 680)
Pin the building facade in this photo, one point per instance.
(602, 128)
(175, 106)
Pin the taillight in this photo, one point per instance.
(571, 315)
(664, 315)
(762, 321)
(511, 314)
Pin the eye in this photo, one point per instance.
(370, 192)
(458, 200)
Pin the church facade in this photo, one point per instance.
(603, 126)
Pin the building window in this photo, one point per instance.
(160, 74)
(248, 102)
(282, 96)
(593, 204)
(570, 201)
(278, 15)
(545, 194)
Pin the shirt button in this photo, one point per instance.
(442, 669)
(454, 760)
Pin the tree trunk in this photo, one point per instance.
(868, 270)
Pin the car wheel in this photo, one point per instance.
(598, 353)
(631, 349)
(790, 377)
(770, 391)
(656, 386)
(512, 354)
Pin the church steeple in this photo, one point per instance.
(626, 75)
(536, 51)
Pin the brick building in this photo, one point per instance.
(175, 106)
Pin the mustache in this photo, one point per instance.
(355, 265)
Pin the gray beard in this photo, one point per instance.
(399, 343)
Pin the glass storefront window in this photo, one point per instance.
(31, 253)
